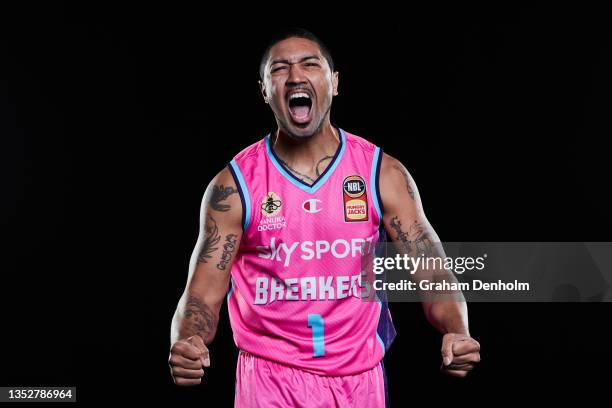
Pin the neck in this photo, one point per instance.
(307, 157)
(325, 141)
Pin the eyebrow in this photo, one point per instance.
(284, 61)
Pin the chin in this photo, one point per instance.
(301, 132)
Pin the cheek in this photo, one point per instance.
(274, 88)
(276, 95)
(326, 90)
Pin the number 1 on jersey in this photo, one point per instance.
(315, 321)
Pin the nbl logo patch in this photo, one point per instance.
(355, 199)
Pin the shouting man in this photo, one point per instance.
(282, 232)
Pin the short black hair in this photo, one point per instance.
(294, 32)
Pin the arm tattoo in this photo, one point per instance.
(401, 235)
(321, 161)
(416, 239)
(199, 319)
(219, 194)
(406, 178)
(228, 248)
(211, 238)
(422, 241)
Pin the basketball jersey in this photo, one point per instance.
(295, 282)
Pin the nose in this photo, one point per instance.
(296, 75)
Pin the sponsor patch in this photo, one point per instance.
(355, 199)
(270, 208)
(271, 204)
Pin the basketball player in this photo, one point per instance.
(281, 231)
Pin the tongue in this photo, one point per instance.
(300, 112)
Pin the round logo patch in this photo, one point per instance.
(353, 186)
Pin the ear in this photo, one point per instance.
(262, 88)
(335, 82)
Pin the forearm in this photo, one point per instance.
(196, 315)
(446, 311)
(448, 316)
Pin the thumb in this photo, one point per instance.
(198, 343)
(447, 348)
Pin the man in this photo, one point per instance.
(282, 228)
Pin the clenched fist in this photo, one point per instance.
(460, 354)
(187, 357)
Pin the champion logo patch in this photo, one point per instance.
(312, 205)
(355, 199)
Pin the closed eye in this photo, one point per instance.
(279, 68)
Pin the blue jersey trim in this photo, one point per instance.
(244, 194)
(374, 182)
(382, 343)
(231, 289)
(296, 181)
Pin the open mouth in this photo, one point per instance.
(300, 105)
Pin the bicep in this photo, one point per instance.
(403, 217)
(218, 240)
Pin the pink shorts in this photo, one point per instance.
(264, 383)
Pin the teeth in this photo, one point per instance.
(299, 95)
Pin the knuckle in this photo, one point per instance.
(176, 347)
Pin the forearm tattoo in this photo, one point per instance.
(211, 239)
(228, 248)
(199, 319)
(219, 194)
(416, 240)
(406, 179)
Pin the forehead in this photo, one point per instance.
(293, 49)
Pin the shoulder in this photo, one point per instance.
(392, 169)
(252, 151)
(222, 189)
(397, 187)
(223, 177)
(222, 199)
(359, 142)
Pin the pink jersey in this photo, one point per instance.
(295, 297)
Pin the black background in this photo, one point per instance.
(113, 120)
